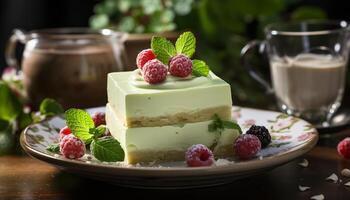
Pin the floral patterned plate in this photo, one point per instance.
(292, 137)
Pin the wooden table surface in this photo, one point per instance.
(22, 177)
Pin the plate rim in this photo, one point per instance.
(239, 167)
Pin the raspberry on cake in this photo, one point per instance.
(180, 66)
(143, 57)
(154, 72)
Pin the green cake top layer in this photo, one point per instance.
(132, 82)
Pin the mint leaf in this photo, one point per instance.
(99, 131)
(186, 44)
(216, 125)
(219, 125)
(54, 148)
(163, 49)
(80, 123)
(24, 120)
(200, 68)
(10, 106)
(107, 149)
(50, 107)
(232, 125)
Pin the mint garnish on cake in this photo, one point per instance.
(166, 59)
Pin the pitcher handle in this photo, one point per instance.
(10, 50)
(251, 70)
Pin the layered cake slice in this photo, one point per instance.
(157, 111)
(160, 122)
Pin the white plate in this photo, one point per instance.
(292, 137)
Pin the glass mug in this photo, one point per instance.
(308, 63)
(68, 64)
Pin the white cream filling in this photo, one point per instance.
(165, 138)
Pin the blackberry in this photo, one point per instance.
(262, 133)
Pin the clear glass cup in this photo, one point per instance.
(68, 64)
(308, 62)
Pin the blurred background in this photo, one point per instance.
(222, 29)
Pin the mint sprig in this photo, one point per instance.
(80, 123)
(102, 148)
(107, 149)
(163, 49)
(186, 44)
(53, 148)
(200, 68)
(218, 125)
(98, 131)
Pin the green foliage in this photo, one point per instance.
(308, 12)
(50, 107)
(7, 142)
(139, 16)
(10, 107)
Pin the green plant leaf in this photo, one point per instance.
(99, 21)
(54, 148)
(80, 123)
(219, 125)
(107, 149)
(163, 49)
(99, 131)
(186, 44)
(307, 13)
(200, 68)
(232, 125)
(50, 107)
(7, 138)
(10, 106)
(24, 120)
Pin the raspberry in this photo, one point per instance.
(154, 72)
(99, 118)
(64, 131)
(180, 66)
(262, 133)
(199, 155)
(72, 147)
(247, 146)
(344, 148)
(143, 57)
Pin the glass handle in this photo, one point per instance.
(247, 49)
(10, 50)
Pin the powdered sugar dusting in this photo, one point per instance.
(303, 188)
(333, 177)
(222, 162)
(347, 184)
(304, 163)
(318, 197)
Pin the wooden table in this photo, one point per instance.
(22, 177)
